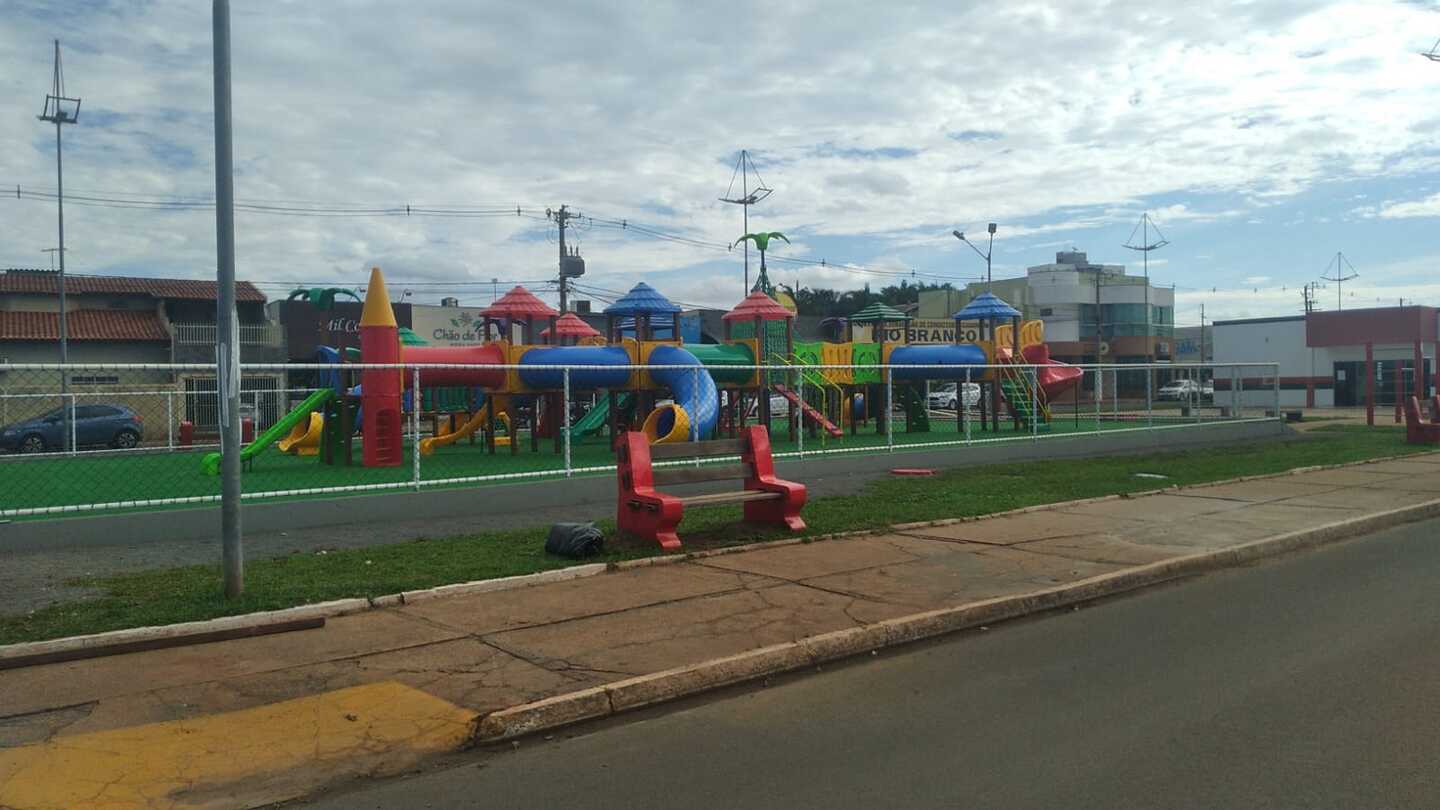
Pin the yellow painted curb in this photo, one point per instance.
(238, 759)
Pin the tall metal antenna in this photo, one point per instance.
(744, 167)
(1340, 263)
(59, 110)
(1143, 228)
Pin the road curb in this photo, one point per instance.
(97, 641)
(645, 690)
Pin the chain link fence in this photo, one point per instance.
(88, 439)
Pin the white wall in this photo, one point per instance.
(1280, 342)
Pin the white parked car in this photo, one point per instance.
(1180, 390)
(943, 397)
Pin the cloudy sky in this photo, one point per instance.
(1262, 136)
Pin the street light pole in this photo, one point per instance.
(227, 325)
(989, 250)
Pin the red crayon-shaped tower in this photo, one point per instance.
(380, 389)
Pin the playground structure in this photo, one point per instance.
(714, 389)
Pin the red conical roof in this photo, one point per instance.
(758, 305)
(519, 304)
(570, 325)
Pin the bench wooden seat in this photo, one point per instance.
(647, 513)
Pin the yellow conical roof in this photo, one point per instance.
(378, 311)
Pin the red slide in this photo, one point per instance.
(1055, 377)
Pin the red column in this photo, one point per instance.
(1370, 384)
(1419, 371)
(1310, 394)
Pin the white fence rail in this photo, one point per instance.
(142, 442)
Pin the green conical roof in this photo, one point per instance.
(879, 312)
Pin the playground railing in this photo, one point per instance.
(97, 438)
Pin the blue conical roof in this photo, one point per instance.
(985, 306)
(642, 300)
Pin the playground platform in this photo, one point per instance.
(241, 723)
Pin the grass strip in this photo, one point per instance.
(169, 595)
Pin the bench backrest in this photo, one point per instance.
(637, 457)
(1412, 412)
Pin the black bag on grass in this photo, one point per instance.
(574, 540)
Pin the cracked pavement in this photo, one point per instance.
(489, 651)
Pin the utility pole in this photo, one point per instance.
(227, 325)
(743, 167)
(1340, 278)
(60, 110)
(571, 264)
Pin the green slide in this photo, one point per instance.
(210, 464)
(595, 418)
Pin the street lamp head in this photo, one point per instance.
(990, 227)
(959, 235)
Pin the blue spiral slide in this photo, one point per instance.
(696, 401)
(697, 404)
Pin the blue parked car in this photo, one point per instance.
(109, 425)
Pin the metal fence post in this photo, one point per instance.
(1195, 394)
(1115, 395)
(800, 407)
(694, 404)
(1099, 393)
(71, 395)
(565, 421)
(1149, 399)
(1034, 404)
(1276, 371)
(415, 427)
(965, 406)
(170, 420)
(889, 410)
(1240, 375)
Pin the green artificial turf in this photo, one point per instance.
(117, 478)
(190, 593)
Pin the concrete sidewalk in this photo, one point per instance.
(373, 693)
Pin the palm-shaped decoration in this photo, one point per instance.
(321, 298)
(762, 243)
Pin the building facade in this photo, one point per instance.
(115, 320)
(1093, 313)
(1322, 355)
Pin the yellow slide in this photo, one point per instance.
(304, 438)
(427, 446)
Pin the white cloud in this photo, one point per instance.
(870, 129)
(1428, 207)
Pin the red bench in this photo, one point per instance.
(1418, 431)
(646, 513)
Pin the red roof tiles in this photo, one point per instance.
(45, 283)
(519, 304)
(83, 324)
(570, 325)
(758, 305)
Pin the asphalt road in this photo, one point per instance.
(1311, 681)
